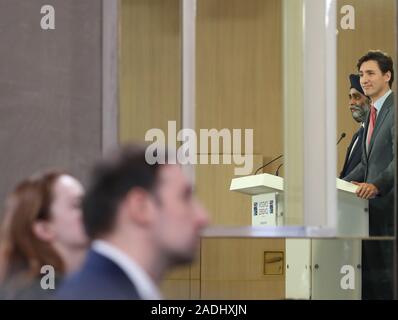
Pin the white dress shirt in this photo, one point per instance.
(146, 288)
(379, 102)
(355, 142)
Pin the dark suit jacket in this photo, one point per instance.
(377, 166)
(100, 278)
(351, 162)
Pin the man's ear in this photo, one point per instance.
(387, 76)
(43, 230)
(139, 207)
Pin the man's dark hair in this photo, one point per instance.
(112, 180)
(383, 60)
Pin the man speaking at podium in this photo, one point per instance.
(374, 175)
(359, 107)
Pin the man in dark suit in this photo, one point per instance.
(374, 175)
(142, 219)
(359, 107)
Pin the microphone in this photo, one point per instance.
(268, 163)
(341, 138)
(277, 170)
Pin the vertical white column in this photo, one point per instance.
(293, 104)
(188, 98)
(110, 89)
(331, 111)
(320, 197)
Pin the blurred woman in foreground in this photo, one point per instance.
(41, 227)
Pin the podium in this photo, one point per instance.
(266, 192)
(314, 268)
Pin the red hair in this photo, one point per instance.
(24, 253)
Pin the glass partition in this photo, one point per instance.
(263, 91)
(365, 36)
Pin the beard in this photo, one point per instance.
(360, 112)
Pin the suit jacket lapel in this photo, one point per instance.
(380, 118)
(358, 146)
(349, 150)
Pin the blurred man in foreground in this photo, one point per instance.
(143, 220)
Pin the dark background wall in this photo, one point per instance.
(50, 88)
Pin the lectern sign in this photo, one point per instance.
(263, 210)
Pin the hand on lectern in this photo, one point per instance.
(366, 190)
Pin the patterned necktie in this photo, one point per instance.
(372, 122)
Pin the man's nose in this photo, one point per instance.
(364, 79)
(202, 216)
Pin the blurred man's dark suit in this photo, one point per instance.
(353, 155)
(377, 166)
(100, 278)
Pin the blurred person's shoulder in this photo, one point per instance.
(99, 278)
(32, 290)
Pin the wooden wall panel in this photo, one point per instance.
(195, 290)
(225, 207)
(234, 269)
(271, 289)
(239, 81)
(176, 289)
(150, 68)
